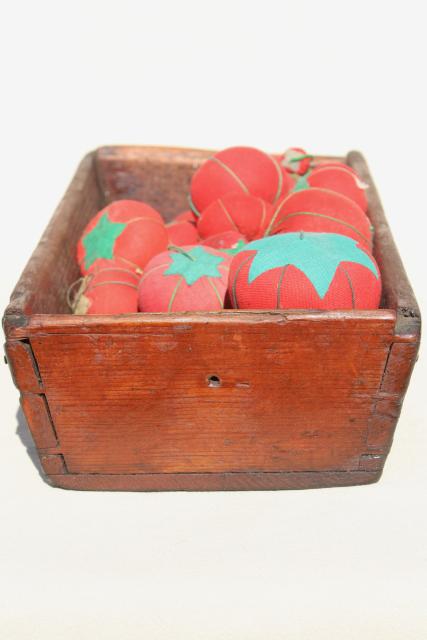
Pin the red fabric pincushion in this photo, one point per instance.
(111, 290)
(182, 232)
(304, 271)
(238, 169)
(321, 210)
(237, 212)
(126, 233)
(337, 179)
(295, 160)
(193, 279)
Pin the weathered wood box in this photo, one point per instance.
(202, 401)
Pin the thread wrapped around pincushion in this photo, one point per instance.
(109, 290)
(244, 214)
(320, 210)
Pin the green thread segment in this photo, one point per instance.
(303, 157)
(173, 247)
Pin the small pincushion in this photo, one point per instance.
(320, 210)
(237, 169)
(295, 160)
(110, 290)
(304, 271)
(127, 233)
(193, 278)
(336, 178)
(182, 232)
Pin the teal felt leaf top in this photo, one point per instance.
(317, 255)
(302, 183)
(99, 243)
(194, 264)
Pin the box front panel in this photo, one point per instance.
(212, 397)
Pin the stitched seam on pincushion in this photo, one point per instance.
(174, 292)
(233, 288)
(223, 207)
(214, 287)
(353, 297)
(280, 175)
(279, 285)
(147, 273)
(323, 215)
(231, 173)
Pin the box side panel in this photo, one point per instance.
(285, 397)
(23, 366)
(388, 403)
(39, 421)
(43, 286)
(159, 176)
(397, 290)
(26, 376)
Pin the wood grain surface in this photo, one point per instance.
(262, 481)
(280, 387)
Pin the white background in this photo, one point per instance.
(328, 76)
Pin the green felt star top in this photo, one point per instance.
(99, 243)
(302, 183)
(194, 264)
(317, 255)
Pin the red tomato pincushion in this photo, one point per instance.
(238, 169)
(339, 179)
(182, 232)
(304, 271)
(193, 279)
(321, 210)
(111, 290)
(127, 233)
(237, 212)
(295, 160)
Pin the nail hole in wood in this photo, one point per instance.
(214, 381)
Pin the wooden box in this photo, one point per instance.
(202, 401)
